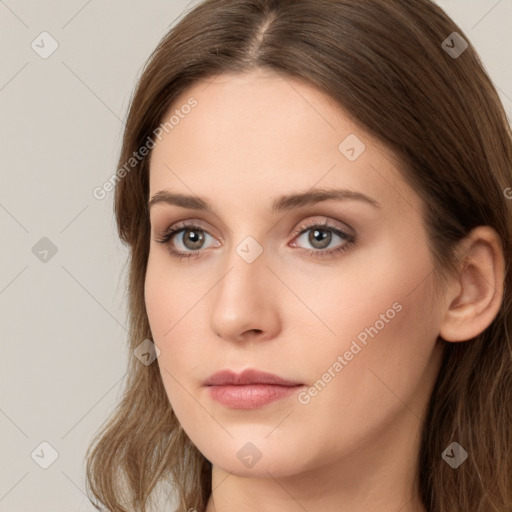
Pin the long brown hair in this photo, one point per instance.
(385, 63)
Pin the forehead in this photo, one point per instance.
(263, 130)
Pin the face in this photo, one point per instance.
(333, 294)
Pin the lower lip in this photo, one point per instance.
(250, 396)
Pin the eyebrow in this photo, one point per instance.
(282, 203)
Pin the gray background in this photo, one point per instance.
(63, 321)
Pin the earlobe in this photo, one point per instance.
(476, 293)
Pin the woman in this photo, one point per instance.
(315, 196)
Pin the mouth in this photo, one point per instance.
(250, 389)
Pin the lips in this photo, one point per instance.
(250, 389)
(250, 376)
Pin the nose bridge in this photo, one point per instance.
(246, 272)
(244, 300)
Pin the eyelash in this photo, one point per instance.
(166, 237)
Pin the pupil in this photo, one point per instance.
(194, 238)
(320, 237)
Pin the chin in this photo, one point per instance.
(254, 455)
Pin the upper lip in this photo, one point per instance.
(249, 376)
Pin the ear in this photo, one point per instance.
(475, 294)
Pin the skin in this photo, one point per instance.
(354, 445)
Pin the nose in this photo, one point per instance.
(247, 302)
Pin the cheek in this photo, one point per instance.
(386, 335)
(158, 295)
(382, 300)
(171, 306)
(168, 295)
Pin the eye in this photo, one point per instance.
(185, 240)
(321, 235)
(189, 236)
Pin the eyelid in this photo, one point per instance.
(325, 223)
(298, 230)
(178, 227)
(187, 224)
